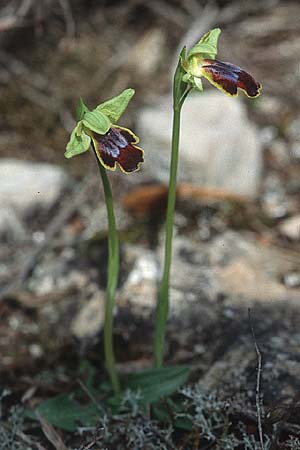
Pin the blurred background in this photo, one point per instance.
(238, 211)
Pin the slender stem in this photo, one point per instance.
(112, 280)
(163, 293)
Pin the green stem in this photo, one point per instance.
(162, 310)
(112, 280)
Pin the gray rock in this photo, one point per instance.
(145, 55)
(140, 287)
(235, 265)
(235, 371)
(219, 146)
(292, 280)
(53, 274)
(90, 318)
(139, 291)
(11, 227)
(291, 227)
(26, 186)
(231, 265)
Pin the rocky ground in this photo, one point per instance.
(237, 231)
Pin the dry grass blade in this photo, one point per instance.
(51, 434)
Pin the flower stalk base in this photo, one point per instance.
(112, 281)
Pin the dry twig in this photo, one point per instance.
(168, 12)
(257, 390)
(69, 19)
(13, 16)
(36, 88)
(68, 207)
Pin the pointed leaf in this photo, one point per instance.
(183, 423)
(207, 47)
(79, 142)
(161, 413)
(114, 108)
(64, 412)
(88, 374)
(167, 410)
(159, 382)
(81, 109)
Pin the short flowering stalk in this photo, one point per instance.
(192, 66)
(113, 146)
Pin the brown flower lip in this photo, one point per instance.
(228, 78)
(118, 146)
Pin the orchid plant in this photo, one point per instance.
(115, 146)
(112, 145)
(200, 61)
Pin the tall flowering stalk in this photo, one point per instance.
(180, 91)
(112, 145)
(199, 62)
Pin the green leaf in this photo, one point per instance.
(183, 423)
(64, 412)
(207, 47)
(115, 107)
(96, 121)
(161, 413)
(159, 382)
(88, 374)
(79, 142)
(167, 410)
(81, 109)
(197, 82)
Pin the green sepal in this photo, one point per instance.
(115, 107)
(81, 109)
(96, 121)
(197, 84)
(193, 81)
(179, 86)
(79, 142)
(79, 128)
(187, 78)
(207, 47)
(182, 57)
(184, 64)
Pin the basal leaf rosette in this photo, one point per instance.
(201, 61)
(114, 145)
